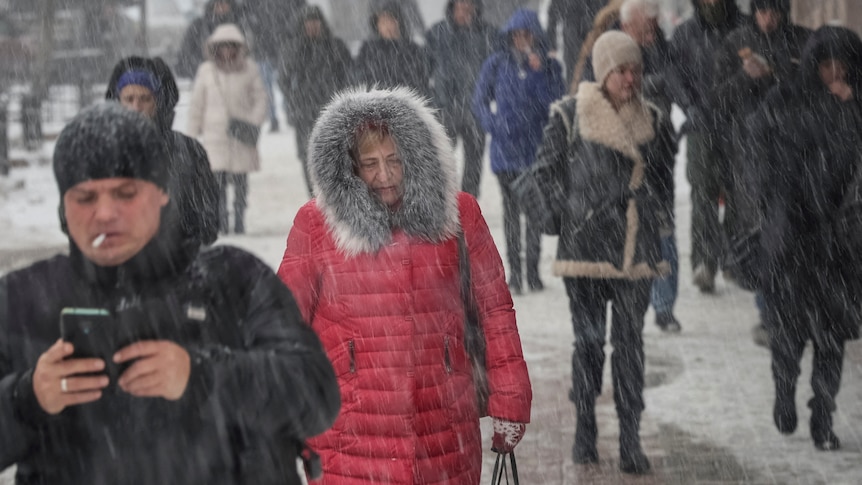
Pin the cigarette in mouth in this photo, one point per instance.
(99, 240)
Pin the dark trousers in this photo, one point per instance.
(512, 229)
(789, 326)
(707, 174)
(588, 300)
(303, 133)
(240, 200)
(462, 123)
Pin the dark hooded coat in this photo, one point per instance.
(192, 187)
(382, 289)
(387, 63)
(692, 73)
(457, 54)
(193, 47)
(313, 69)
(522, 96)
(808, 145)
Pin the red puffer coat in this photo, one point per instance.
(392, 323)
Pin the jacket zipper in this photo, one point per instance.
(350, 349)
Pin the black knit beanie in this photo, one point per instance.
(106, 141)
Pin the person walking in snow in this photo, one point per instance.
(373, 261)
(458, 46)
(522, 81)
(227, 108)
(315, 66)
(606, 161)
(193, 47)
(808, 138)
(148, 87)
(206, 373)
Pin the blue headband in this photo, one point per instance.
(139, 78)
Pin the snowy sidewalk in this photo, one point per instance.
(709, 391)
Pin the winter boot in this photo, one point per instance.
(667, 322)
(821, 427)
(584, 451)
(784, 410)
(632, 457)
(704, 278)
(533, 280)
(239, 223)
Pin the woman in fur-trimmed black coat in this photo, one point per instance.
(807, 143)
(607, 160)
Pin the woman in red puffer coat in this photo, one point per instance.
(374, 265)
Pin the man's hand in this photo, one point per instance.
(756, 67)
(534, 61)
(161, 369)
(58, 383)
(842, 90)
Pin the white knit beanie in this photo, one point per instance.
(614, 48)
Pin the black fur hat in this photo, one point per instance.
(106, 141)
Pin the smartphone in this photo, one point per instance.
(93, 333)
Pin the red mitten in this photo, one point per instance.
(507, 435)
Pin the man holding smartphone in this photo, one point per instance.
(221, 380)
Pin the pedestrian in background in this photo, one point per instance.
(214, 379)
(692, 77)
(458, 45)
(390, 58)
(809, 136)
(522, 81)
(192, 50)
(604, 158)
(373, 261)
(148, 87)
(315, 66)
(576, 19)
(271, 23)
(227, 108)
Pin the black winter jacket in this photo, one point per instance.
(389, 63)
(312, 71)
(691, 76)
(610, 175)
(808, 144)
(256, 369)
(457, 54)
(192, 185)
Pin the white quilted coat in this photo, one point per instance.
(220, 93)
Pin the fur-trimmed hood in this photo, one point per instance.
(358, 220)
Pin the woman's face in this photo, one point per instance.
(388, 27)
(227, 52)
(380, 167)
(832, 71)
(624, 83)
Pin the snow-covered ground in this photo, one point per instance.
(709, 396)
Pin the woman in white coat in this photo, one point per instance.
(227, 108)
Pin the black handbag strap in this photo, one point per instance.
(470, 305)
(500, 469)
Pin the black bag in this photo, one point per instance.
(243, 131)
(474, 336)
(535, 202)
(500, 469)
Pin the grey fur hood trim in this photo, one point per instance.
(358, 221)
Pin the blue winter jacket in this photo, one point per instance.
(522, 96)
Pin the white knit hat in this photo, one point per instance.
(614, 48)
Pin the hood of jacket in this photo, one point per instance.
(358, 221)
(450, 7)
(836, 43)
(524, 19)
(395, 11)
(731, 15)
(312, 12)
(225, 33)
(166, 98)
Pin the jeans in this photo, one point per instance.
(665, 290)
(267, 75)
(512, 229)
(240, 200)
